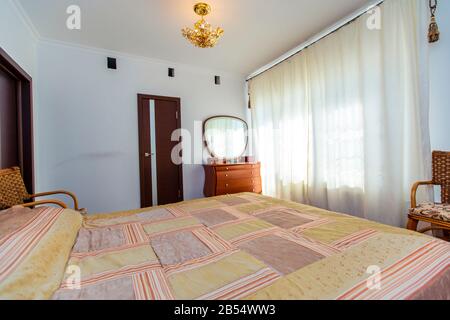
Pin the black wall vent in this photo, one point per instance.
(112, 63)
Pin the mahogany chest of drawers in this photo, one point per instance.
(222, 179)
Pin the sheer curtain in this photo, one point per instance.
(343, 125)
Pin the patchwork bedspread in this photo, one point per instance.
(248, 246)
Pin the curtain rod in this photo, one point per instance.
(344, 22)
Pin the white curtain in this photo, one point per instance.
(343, 125)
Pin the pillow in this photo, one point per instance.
(35, 245)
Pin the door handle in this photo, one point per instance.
(148, 155)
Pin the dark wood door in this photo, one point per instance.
(16, 119)
(9, 131)
(161, 178)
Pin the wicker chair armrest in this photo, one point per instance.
(51, 193)
(42, 202)
(414, 191)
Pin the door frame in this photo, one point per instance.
(145, 166)
(24, 116)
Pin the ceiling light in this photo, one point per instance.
(203, 35)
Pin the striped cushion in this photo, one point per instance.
(34, 251)
(12, 219)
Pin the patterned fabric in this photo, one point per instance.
(433, 210)
(34, 252)
(414, 269)
(248, 246)
(243, 246)
(14, 218)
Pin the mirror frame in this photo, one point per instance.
(224, 116)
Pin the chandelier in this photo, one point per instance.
(203, 35)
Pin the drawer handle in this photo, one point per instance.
(226, 175)
(226, 185)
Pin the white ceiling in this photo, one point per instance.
(256, 31)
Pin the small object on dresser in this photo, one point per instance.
(249, 159)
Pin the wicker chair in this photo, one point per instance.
(14, 193)
(438, 214)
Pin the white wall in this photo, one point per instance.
(20, 42)
(440, 82)
(87, 128)
(16, 38)
(440, 85)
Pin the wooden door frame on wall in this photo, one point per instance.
(24, 115)
(144, 141)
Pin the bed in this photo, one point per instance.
(244, 246)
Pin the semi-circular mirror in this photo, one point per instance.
(226, 137)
